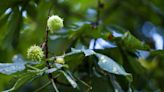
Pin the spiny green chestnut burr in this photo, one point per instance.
(60, 60)
(54, 23)
(35, 53)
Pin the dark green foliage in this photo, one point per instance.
(132, 62)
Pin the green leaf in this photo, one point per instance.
(27, 77)
(4, 79)
(59, 45)
(31, 11)
(129, 41)
(157, 53)
(5, 4)
(11, 36)
(74, 58)
(111, 66)
(135, 66)
(3, 20)
(101, 84)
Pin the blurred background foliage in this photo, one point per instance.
(130, 32)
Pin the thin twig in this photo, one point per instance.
(98, 12)
(54, 85)
(46, 54)
(96, 24)
(94, 44)
(53, 80)
(46, 41)
(45, 85)
(90, 87)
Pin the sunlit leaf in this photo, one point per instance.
(111, 66)
(10, 68)
(70, 79)
(87, 52)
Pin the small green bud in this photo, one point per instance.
(60, 60)
(54, 23)
(35, 53)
